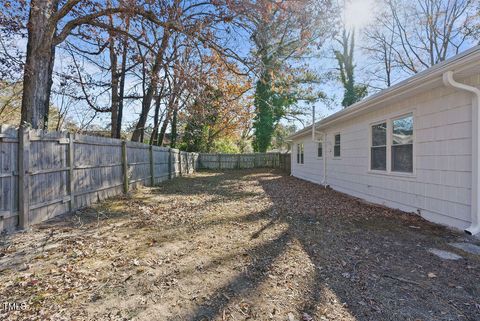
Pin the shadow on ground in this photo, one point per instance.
(240, 245)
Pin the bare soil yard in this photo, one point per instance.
(239, 245)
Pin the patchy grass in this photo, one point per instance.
(240, 245)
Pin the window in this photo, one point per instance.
(320, 149)
(300, 153)
(391, 145)
(402, 144)
(378, 151)
(336, 146)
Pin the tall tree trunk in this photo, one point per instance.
(123, 72)
(147, 99)
(173, 142)
(114, 84)
(156, 120)
(163, 130)
(37, 80)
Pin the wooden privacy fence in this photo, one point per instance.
(45, 174)
(240, 161)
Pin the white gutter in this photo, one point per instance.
(448, 80)
(313, 123)
(324, 151)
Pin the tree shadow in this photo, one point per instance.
(369, 257)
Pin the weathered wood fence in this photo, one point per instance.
(45, 174)
(241, 161)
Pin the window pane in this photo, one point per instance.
(402, 158)
(403, 131)
(336, 151)
(379, 134)
(337, 139)
(379, 158)
(320, 150)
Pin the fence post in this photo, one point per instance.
(238, 161)
(152, 168)
(71, 167)
(23, 177)
(219, 162)
(125, 166)
(169, 163)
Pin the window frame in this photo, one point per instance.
(320, 144)
(339, 146)
(389, 119)
(370, 143)
(413, 143)
(300, 154)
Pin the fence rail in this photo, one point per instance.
(45, 174)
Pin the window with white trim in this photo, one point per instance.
(402, 144)
(336, 146)
(378, 149)
(391, 145)
(320, 149)
(300, 153)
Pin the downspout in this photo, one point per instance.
(313, 123)
(324, 160)
(448, 80)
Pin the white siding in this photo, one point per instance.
(312, 168)
(440, 187)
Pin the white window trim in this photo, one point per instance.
(389, 120)
(370, 137)
(323, 149)
(333, 149)
(299, 157)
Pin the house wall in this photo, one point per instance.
(440, 187)
(312, 167)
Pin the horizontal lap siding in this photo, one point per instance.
(441, 187)
(312, 168)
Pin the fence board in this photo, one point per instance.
(8, 177)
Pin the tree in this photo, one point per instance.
(43, 37)
(219, 112)
(442, 29)
(380, 50)
(352, 92)
(280, 135)
(49, 24)
(283, 33)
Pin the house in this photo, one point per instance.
(413, 146)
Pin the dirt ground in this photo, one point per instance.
(239, 245)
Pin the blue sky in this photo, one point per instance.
(357, 14)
